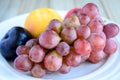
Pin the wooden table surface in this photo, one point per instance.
(9, 8)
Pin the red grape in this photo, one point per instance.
(82, 47)
(23, 63)
(102, 34)
(91, 10)
(110, 46)
(64, 68)
(84, 19)
(95, 26)
(111, 30)
(97, 42)
(38, 71)
(53, 61)
(72, 59)
(55, 25)
(22, 50)
(30, 43)
(100, 20)
(63, 48)
(36, 54)
(68, 35)
(84, 57)
(49, 39)
(96, 57)
(72, 21)
(83, 31)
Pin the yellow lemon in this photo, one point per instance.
(37, 21)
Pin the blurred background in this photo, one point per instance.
(9, 8)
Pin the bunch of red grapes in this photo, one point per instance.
(80, 37)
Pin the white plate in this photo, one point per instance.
(107, 69)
